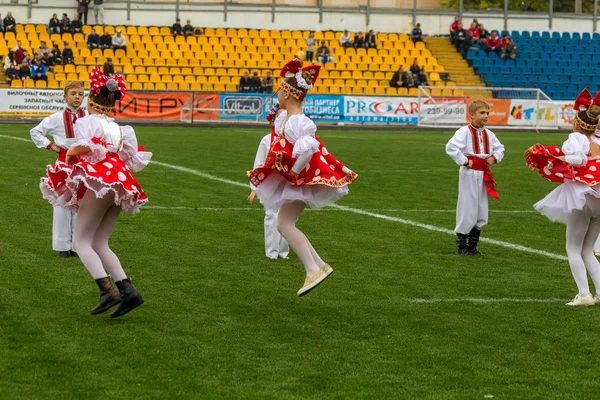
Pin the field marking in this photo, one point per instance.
(483, 300)
(16, 138)
(359, 211)
(191, 208)
(379, 216)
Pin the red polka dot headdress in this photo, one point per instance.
(293, 69)
(101, 85)
(585, 116)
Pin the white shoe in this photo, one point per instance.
(585, 300)
(597, 299)
(314, 280)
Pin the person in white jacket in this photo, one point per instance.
(275, 244)
(474, 148)
(62, 128)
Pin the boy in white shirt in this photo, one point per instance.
(474, 148)
(61, 127)
(275, 244)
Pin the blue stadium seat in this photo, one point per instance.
(535, 35)
(514, 34)
(525, 34)
(565, 36)
(596, 36)
(555, 35)
(505, 32)
(586, 36)
(545, 35)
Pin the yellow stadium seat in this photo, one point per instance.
(148, 86)
(160, 86)
(137, 86)
(253, 33)
(16, 83)
(196, 87)
(142, 30)
(165, 31)
(131, 30)
(41, 29)
(155, 78)
(53, 85)
(153, 31)
(167, 79)
(28, 83)
(142, 78)
(172, 86)
(190, 79)
(131, 78)
(369, 90)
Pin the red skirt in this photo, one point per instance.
(64, 185)
(545, 160)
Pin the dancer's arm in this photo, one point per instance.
(575, 149)
(74, 152)
(455, 147)
(39, 133)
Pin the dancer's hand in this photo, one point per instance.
(252, 196)
(293, 174)
(55, 148)
(490, 160)
(469, 164)
(70, 160)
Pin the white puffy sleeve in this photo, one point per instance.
(576, 148)
(278, 124)
(89, 133)
(300, 130)
(455, 147)
(39, 133)
(136, 159)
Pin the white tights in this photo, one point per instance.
(286, 225)
(96, 220)
(583, 227)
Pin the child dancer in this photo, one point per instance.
(98, 183)
(474, 148)
(576, 201)
(61, 126)
(299, 171)
(275, 245)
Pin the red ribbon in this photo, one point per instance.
(62, 155)
(480, 164)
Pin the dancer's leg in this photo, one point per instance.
(577, 228)
(100, 243)
(286, 224)
(90, 215)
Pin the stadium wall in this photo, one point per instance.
(228, 107)
(433, 22)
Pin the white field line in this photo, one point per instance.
(189, 208)
(379, 216)
(359, 211)
(16, 138)
(483, 300)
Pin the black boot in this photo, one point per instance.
(130, 298)
(108, 296)
(473, 241)
(461, 242)
(63, 254)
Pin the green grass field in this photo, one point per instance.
(399, 319)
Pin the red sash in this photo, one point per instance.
(62, 155)
(480, 164)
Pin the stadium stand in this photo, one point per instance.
(215, 61)
(558, 64)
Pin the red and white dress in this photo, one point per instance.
(106, 169)
(578, 174)
(322, 178)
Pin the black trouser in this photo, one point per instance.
(309, 55)
(83, 14)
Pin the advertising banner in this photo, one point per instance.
(31, 102)
(324, 108)
(389, 110)
(527, 112)
(499, 110)
(242, 106)
(444, 111)
(166, 106)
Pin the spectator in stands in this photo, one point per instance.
(65, 23)
(43, 49)
(324, 54)
(106, 40)
(417, 34)
(1, 24)
(76, 25)
(54, 25)
(176, 29)
(245, 83)
(255, 83)
(359, 41)
(82, 10)
(93, 41)
(119, 41)
(56, 55)
(509, 50)
(371, 40)
(67, 54)
(421, 78)
(12, 72)
(9, 59)
(99, 12)
(483, 34)
(109, 68)
(48, 62)
(397, 78)
(268, 82)
(461, 39)
(20, 54)
(415, 68)
(188, 29)
(408, 81)
(24, 71)
(493, 43)
(346, 40)
(310, 46)
(473, 32)
(453, 28)
(18, 46)
(10, 25)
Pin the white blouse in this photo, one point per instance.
(300, 131)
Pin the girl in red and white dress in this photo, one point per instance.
(576, 201)
(299, 171)
(97, 182)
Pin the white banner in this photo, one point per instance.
(444, 111)
(381, 109)
(32, 101)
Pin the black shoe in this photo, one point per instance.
(73, 254)
(63, 254)
(130, 298)
(461, 242)
(473, 241)
(109, 297)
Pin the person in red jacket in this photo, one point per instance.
(453, 28)
(474, 32)
(493, 43)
